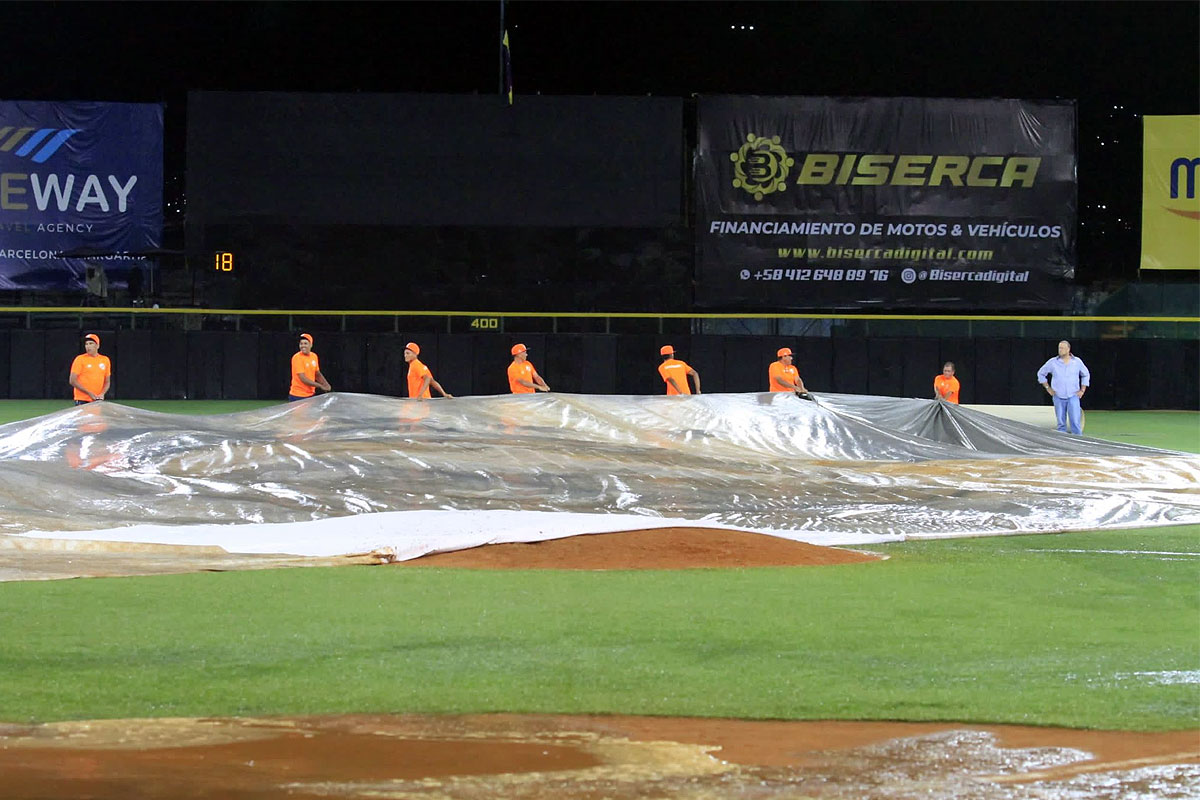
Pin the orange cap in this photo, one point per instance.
(91, 337)
(666, 350)
(416, 348)
(784, 351)
(519, 348)
(306, 337)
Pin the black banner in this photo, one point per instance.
(818, 202)
(433, 160)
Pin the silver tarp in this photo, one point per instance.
(839, 463)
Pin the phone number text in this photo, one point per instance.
(780, 274)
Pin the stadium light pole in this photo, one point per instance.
(500, 41)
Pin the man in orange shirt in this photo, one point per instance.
(91, 373)
(675, 372)
(306, 372)
(419, 376)
(945, 385)
(783, 377)
(522, 377)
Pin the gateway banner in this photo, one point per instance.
(907, 203)
(81, 179)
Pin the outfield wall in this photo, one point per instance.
(202, 365)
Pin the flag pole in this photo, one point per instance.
(503, 30)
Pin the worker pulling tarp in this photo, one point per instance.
(838, 469)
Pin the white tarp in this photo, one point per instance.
(319, 477)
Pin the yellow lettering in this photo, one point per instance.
(910, 170)
(8, 190)
(873, 170)
(977, 164)
(817, 169)
(951, 167)
(847, 169)
(1020, 170)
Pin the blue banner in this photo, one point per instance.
(80, 193)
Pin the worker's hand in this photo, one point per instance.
(1049, 391)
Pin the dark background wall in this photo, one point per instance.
(200, 365)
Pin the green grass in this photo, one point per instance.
(991, 630)
(1008, 629)
(16, 410)
(1173, 430)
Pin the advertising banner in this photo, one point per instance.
(1170, 206)
(898, 203)
(433, 160)
(80, 189)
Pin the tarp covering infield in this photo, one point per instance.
(347, 473)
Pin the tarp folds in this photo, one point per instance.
(842, 466)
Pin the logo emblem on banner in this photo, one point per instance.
(1185, 168)
(760, 166)
(55, 136)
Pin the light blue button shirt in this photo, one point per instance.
(1067, 378)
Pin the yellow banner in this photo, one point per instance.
(1170, 181)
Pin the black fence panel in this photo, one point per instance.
(850, 366)
(993, 371)
(239, 368)
(1026, 357)
(386, 370)
(206, 365)
(1189, 382)
(637, 364)
(559, 360)
(885, 367)
(922, 363)
(814, 360)
(599, 364)
(5, 362)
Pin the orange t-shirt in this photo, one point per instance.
(90, 371)
(946, 387)
(520, 370)
(674, 368)
(781, 370)
(307, 365)
(416, 375)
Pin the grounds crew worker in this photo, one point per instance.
(784, 377)
(91, 373)
(306, 372)
(946, 385)
(522, 377)
(419, 376)
(675, 372)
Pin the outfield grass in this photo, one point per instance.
(1016, 630)
(1097, 629)
(16, 410)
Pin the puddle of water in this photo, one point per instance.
(537, 758)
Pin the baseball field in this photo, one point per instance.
(1094, 631)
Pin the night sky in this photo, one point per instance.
(1119, 60)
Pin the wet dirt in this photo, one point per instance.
(656, 548)
(622, 758)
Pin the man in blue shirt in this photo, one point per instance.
(1070, 379)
